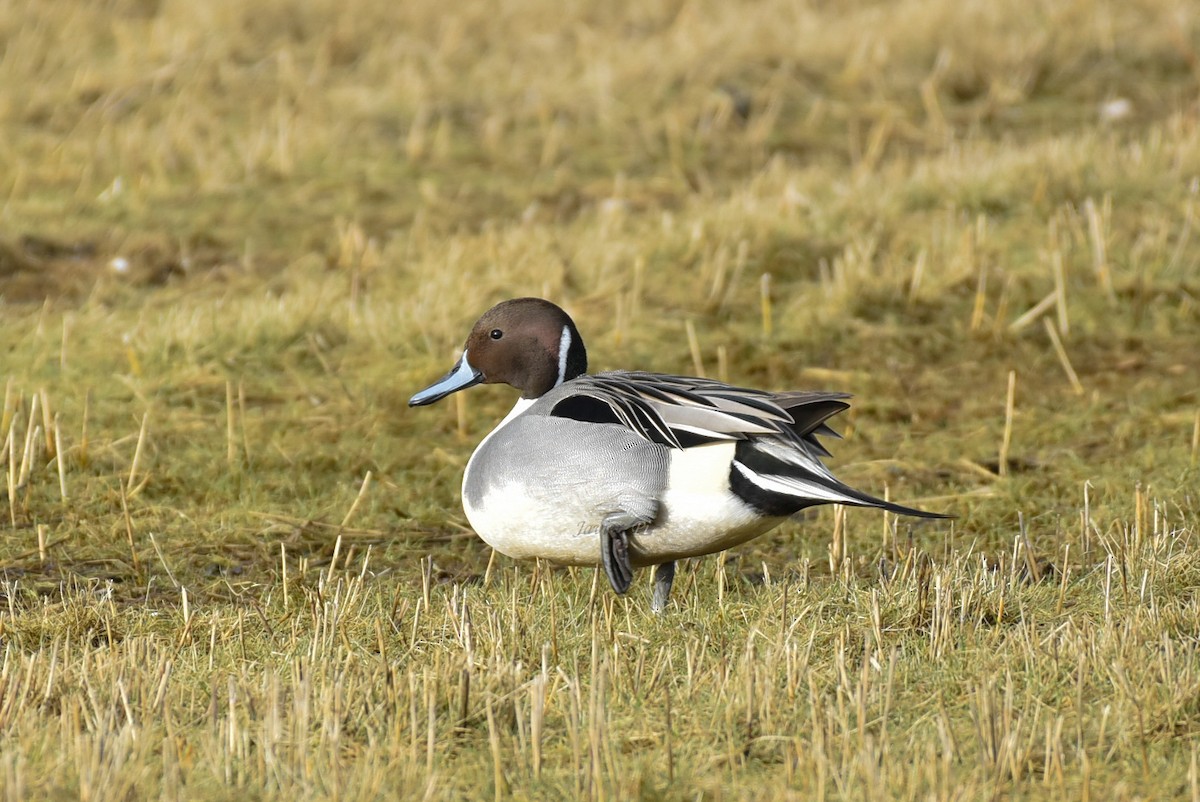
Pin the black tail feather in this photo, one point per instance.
(774, 486)
(899, 509)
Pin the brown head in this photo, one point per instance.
(528, 343)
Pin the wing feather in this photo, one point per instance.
(674, 410)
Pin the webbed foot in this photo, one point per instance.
(614, 555)
(664, 575)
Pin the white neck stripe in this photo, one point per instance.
(564, 345)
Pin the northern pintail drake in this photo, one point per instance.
(625, 469)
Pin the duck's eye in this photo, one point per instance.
(496, 334)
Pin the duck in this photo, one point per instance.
(631, 469)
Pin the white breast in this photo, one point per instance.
(698, 514)
(515, 522)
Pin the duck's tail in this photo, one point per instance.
(778, 479)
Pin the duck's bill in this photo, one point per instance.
(460, 377)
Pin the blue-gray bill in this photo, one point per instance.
(460, 377)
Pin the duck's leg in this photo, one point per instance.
(664, 575)
(614, 548)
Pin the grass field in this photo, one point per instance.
(236, 237)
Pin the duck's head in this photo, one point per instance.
(528, 343)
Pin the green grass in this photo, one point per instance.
(235, 238)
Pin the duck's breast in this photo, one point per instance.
(539, 486)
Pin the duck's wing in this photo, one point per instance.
(682, 411)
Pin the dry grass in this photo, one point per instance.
(233, 240)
